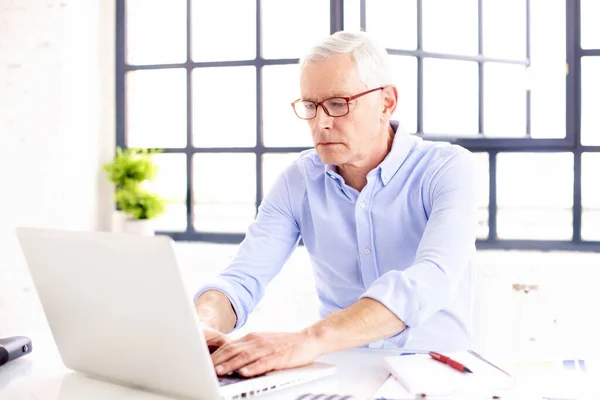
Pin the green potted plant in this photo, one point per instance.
(130, 171)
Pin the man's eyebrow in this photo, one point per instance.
(332, 95)
(339, 94)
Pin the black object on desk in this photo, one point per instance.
(14, 347)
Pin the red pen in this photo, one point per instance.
(450, 362)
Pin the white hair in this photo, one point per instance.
(371, 59)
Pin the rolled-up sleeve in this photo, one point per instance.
(269, 242)
(444, 252)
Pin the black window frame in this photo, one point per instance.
(571, 143)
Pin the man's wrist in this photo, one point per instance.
(320, 335)
(216, 311)
(207, 317)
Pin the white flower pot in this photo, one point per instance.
(118, 220)
(138, 227)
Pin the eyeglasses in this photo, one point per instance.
(334, 107)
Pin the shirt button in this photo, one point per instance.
(362, 205)
(367, 251)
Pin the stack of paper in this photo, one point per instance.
(420, 374)
(392, 389)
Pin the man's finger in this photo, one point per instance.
(219, 341)
(263, 365)
(226, 351)
(246, 355)
(215, 339)
(214, 345)
(231, 348)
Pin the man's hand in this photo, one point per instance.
(364, 322)
(214, 338)
(257, 353)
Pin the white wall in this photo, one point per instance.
(56, 117)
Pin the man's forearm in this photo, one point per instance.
(364, 322)
(216, 311)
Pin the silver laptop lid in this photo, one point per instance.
(118, 309)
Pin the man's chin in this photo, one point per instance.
(329, 159)
(330, 154)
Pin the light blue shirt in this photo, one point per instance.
(407, 240)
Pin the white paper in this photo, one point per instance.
(392, 389)
(422, 374)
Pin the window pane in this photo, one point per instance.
(547, 69)
(352, 15)
(590, 196)
(535, 196)
(156, 108)
(171, 184)
(504, 29)
(393, 23)
(156, 31)
(224, 117)
(505, 100)
(290, 28)
(404, 73)
(237, 37)
(590, 225)
(451, 104)
(273, 166)
(281, 127)
(590, 31)
(482, 163)
(450, 26)
(590, 100)
(224, 192)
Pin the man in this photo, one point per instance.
(388, 219)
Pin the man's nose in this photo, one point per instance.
(322, 120)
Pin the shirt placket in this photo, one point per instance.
(364, 234)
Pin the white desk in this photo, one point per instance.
(42, 376)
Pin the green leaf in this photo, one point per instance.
(140, 204)
(128, 170)
(131, 167)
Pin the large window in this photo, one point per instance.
(517, 82)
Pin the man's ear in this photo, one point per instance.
(390, 101)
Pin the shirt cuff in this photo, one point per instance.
(400, 295)
(394, 342)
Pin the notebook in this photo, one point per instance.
(392, 389)
(421, 374)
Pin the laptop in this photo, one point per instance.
(119, 311)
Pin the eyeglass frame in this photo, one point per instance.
(320, 103)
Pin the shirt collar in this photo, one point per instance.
(402, 145)
(331, 171)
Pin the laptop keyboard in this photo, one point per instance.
(231, 378)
